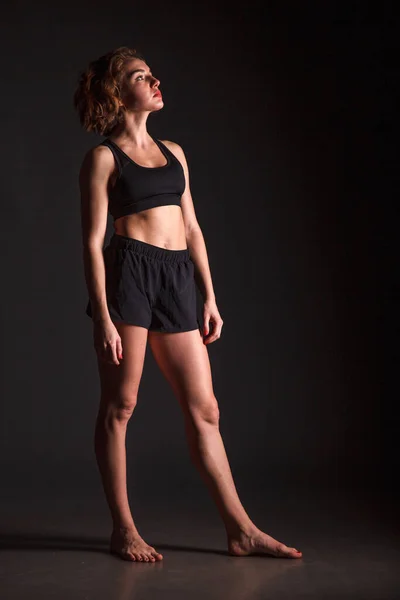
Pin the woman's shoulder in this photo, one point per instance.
(97, 159)
(169, 144)
(175, 148)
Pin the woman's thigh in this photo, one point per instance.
(123, 380)
(183, 359)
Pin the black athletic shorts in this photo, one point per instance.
(150, 286)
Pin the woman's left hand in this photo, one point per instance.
(211, 318)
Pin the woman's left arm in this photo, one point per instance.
(198, 253)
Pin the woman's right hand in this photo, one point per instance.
(107, 342)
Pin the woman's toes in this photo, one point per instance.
(283, 550)
(289, 551)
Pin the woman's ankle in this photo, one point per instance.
(125, 527)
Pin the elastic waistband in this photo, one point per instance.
(122, 241)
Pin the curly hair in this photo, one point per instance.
(97, 95)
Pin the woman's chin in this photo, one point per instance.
(158, 107)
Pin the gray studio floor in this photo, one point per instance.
(56, 547)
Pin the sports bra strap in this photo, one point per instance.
(114, 150)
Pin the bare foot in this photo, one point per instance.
(129, 545)
(258, 542)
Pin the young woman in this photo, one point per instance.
(141, 288)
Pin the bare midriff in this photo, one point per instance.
(161, 226)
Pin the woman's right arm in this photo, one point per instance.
(96, 169)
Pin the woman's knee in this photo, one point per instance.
(206, 411)
(120, 407)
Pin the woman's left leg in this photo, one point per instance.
(183, 359)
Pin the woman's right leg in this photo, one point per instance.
(119, 390)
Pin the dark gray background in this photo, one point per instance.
(286, 118)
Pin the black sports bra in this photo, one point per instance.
(139, 188)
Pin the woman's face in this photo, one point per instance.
(139, 88)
